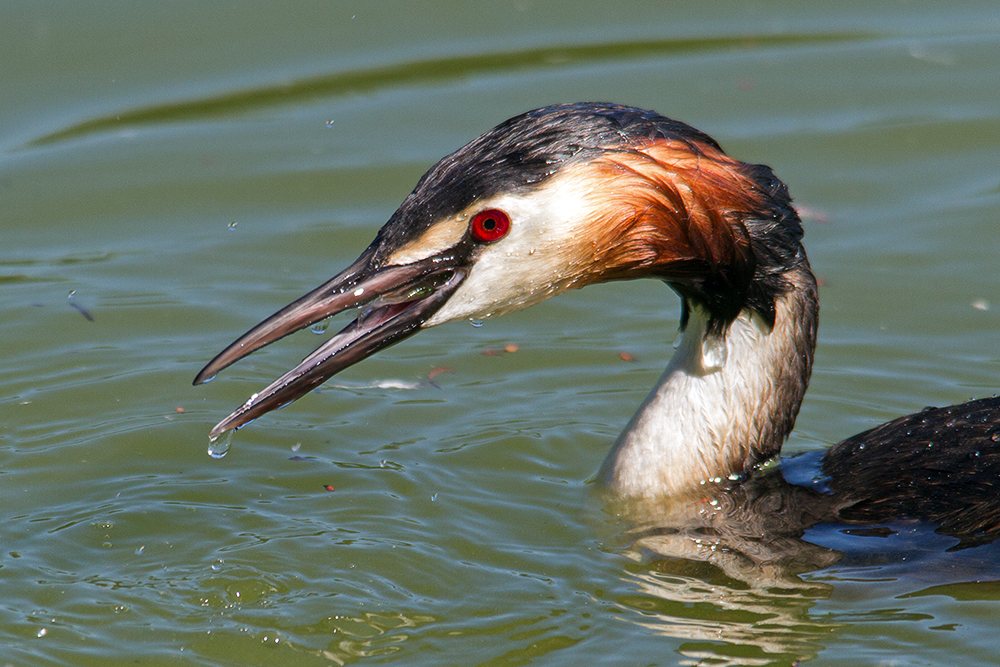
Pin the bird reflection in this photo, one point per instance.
(745, 562)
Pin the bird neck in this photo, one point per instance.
(726, 402)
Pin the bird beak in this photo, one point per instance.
(396, 302)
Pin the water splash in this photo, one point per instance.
(232, 226)
(219, 446)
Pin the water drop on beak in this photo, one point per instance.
(219, 446)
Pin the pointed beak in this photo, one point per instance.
(396, 301)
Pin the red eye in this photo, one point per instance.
(490, 225)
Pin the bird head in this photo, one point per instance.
(557, 198)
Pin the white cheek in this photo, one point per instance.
(536, 260)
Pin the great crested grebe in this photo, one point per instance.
(573, 194)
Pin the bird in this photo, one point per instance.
(569, 195)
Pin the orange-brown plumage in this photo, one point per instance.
(594, 192)
(672, 208)
(589, 193)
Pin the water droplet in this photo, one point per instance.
(232, 226)
(364, 312)
(321, 326)
(71, 294)
(297, 446)
(42, 632)
(677, 339)
(476, 323)
(138, 552)
(219, 447)
(434, 497)
(995, 436)
(330, 122)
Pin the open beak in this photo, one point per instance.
(396, 301)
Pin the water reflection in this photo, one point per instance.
(724, 567)
(725, 570)
(724, 624)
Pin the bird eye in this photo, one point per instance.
(490, 225)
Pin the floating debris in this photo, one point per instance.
(509, 348)
(80, 309)
(438, 370)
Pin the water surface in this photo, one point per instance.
(184, 169)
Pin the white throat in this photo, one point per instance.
(725, 403)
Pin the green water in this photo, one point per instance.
(183, 169)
